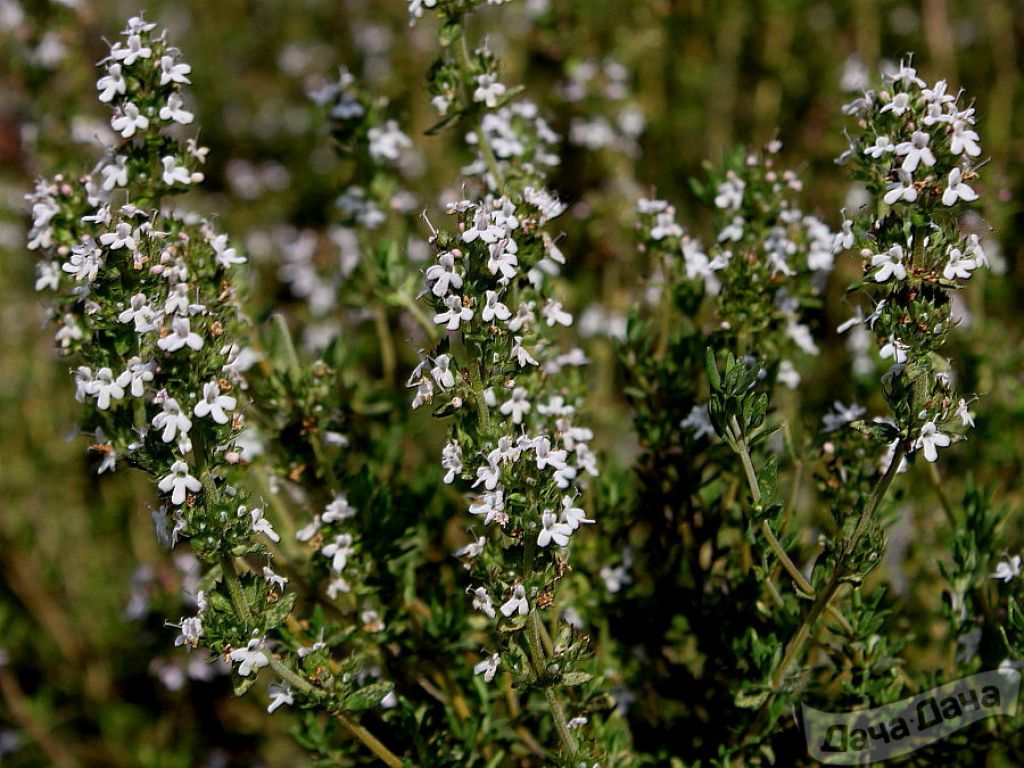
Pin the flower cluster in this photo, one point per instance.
(917, 152)
(144, 301)
(145, 304)
(765, 270)
(512, 394)
(611, 120)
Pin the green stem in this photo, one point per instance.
(539, 659)
(238, 600)
(774, 544)
(740, 447)
(370, 741)
(476, 381)
(465, 70)
(822, 602)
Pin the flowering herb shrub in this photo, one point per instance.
(404, 520)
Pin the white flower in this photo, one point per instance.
(937, 94)
(122, 237)
(443, 274)
(483, 229)
(964, 139)
(251, 658)
(179, 482)
(521, 354)
(473, 549)
(175, 112)
(730, 192)
(387, 142)
(903, 189)
(260, 524)
(517, 603)
(451, 461)
(174, 173)
(442, 373)
(489, 666)
(308, 531)
(492, 506)
(788, 374)
(956, 189)
(488, 474)
(132, 53)
(339, 551)
(841, 415)
(191, 631)
(546, 457)
(895, 349)
(140, 374)
(699, 422)
(181, 335)
(890, 264)
(964, 415)
(111, 84)
(516, 406)
(931, 440)
(906, 75)
(1008, 570)
(171, 72)
(615, 578)
(880, 147)
(172, 421)
(482, 602)
(552, 530)
(47, 276)
(140, 313)
(573, 516)
(455, 314)
(115, 174)
(900, 103)
(224, 255)
(339, 509)
(273, 579)
(106, 388)
(488, 90)
(958, 266)
(214, 404)
(128, 119)
(280, 695)
(554, 313)
(800, 334)
(502, 258)
(85, 261)
(494, 308)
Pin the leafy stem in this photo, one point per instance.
(466, 75)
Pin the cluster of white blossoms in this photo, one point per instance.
(918, 151)
(768, 260)
(144, 304)
(510, 392)
(418, 7)
(516, 440)
(612, 119)
(138, 308)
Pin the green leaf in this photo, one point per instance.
(368, 697)
(714, 379)
(243, 684)
(576, 678)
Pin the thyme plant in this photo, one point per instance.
(490, 575)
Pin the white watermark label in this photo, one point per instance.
(892, 730)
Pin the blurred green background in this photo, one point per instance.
(88, 673)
